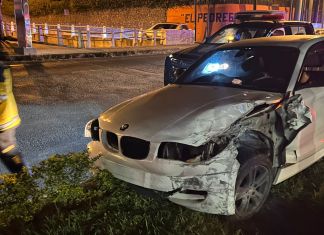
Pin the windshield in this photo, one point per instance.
(257, 68)
(236, 33)
(165, 26)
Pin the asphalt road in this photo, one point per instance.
(56, 99)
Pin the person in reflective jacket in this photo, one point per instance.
(9, 121)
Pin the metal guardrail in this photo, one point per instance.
(92, 36)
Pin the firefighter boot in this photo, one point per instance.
(13, 161)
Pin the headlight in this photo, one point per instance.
(91, 130)
(191, 154)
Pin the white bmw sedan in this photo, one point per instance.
(242, 118)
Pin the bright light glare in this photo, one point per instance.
(230, 38)
(214, 67)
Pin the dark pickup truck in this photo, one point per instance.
(252, 24)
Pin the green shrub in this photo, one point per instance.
(62, 196)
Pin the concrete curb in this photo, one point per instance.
(100, 54)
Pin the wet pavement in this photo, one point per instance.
(56, 99)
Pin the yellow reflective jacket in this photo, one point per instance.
(9, 117)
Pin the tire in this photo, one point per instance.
(253, 184)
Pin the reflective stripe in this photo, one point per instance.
(8, 149)
(6, 125)
(3, 97)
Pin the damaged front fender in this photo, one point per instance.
(295, 116)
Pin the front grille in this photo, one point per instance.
(134, 148)
(112, 140)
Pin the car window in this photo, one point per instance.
(165, 26)
(185, 27)
(298, 30)
(257, 68)
(233, 34)
(278, 32)
(312, 74)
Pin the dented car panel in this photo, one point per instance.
(188, 140)
(177, 112)
(217, 176)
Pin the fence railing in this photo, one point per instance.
(101, 37)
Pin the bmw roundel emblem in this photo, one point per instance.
(124, 127)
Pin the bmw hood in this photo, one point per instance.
(185, 114)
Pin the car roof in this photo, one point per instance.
(267, 24)
(271, 22)
(297, 41)
(258, 23)
(169, 23)
(295, 22)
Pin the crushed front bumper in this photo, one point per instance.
(207, 187)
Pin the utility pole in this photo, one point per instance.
(310, 11)
(298, 9)
(195, 13)
(291, 9)
(208, 22)
(322, 14)
(1, 20)
(24, 35)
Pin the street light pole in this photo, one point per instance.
(195, 13)
(298, 9)
(310, 10)
(291, 9)
(254, 4)
(1, 20)
(323, 15)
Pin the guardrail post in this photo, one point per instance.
(72, 30)
(135, 41)
(59, 36)
(46, 29)
(121, 36)
(88, 37)
(113, 38)
(40, 34)
(3, 28)
(34, 28)
(141, 32)
(104, 32)
(8, 29)
(154, 37)
(80, 39)
(12, 28)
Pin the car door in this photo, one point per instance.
(310, 86)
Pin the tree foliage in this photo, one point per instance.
(45, 7)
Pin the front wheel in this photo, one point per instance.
(253, 185)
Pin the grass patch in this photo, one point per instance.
(63, 197)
